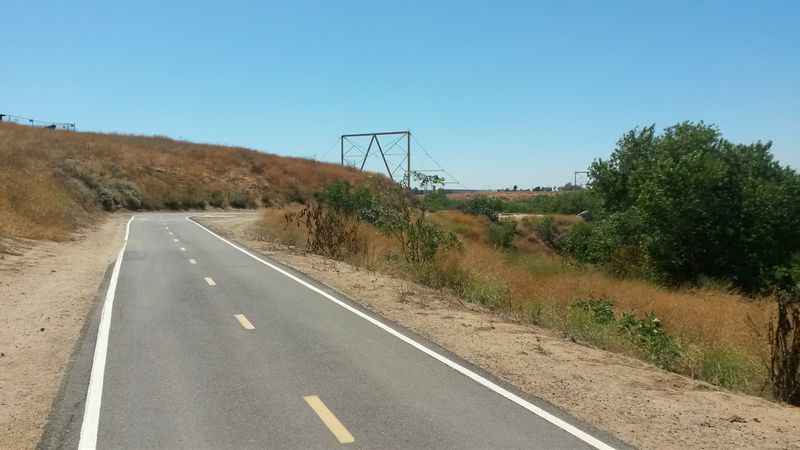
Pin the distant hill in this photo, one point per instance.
(53, 182)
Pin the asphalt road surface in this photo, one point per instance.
(203, 345)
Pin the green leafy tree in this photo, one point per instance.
(702, 204)
(428, 181)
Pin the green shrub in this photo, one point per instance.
(482, 205)
(217, 199)
(173, 203)
(502, 234)
(545, 229)
(106, 198)
(601, 311)
(343, 197)
(126, 194)
(594, 320)
(421, 240)
(437, 201)
(577, 243)
(694, 204)
(659, 347)
(238, 200)
(571, 202)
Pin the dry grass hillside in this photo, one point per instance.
(52, 182)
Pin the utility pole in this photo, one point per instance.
(375, 139)
(575, 181)
(408, 160)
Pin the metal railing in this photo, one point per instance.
(12, 118)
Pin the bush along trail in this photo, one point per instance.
(658, 273)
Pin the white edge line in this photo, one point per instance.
(557, 421)
(94, 394)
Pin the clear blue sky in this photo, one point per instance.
(501, 93)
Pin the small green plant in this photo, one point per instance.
(534, 312)
(727, 368)
(502, 234)
(600, 310)
(545, 229)
(489, 293)
(648, 334)
(594, 320)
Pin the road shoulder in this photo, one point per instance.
(48, 292)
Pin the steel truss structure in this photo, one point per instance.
(358, 158)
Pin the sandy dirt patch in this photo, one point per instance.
(46, 292)
(641, 404)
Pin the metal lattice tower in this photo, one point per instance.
(348, 157)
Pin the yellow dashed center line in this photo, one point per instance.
(329, 419)
(244, 322)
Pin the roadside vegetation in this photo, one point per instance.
(690, 261)
(53, 182)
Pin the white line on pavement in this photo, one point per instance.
(483, 381)
(210, 281)
(183, 249)
(94, 394)
(192, 261)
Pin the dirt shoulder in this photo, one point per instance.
(46, 292)
(639, 403)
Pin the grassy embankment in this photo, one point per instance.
(53, 182)
(711, 334)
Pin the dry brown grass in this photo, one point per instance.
(273, 226)
(49, 180)
(708, 322)
(709, 314)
